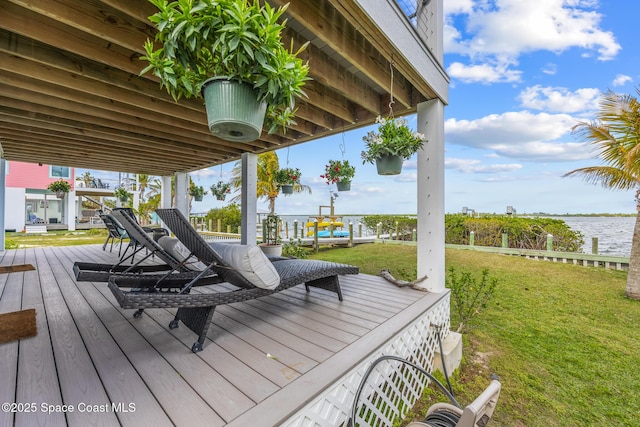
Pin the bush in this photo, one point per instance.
(292, 248)
(406, 224)
(10, 244)
(522, 233)
(468, 295)
(229, 215)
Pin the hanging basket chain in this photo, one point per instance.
(343, 146)
(391, 100)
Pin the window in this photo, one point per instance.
(59, 172)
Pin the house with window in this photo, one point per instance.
(28, 202)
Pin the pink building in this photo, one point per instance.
(28, 202)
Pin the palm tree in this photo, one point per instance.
(267, 187)
(616, 135)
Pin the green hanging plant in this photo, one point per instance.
(235, 39)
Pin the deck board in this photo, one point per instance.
(38, 378)
(266, 356)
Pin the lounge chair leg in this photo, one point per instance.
(198, 320)
(329, 283)
(138, 313)
(174, 324)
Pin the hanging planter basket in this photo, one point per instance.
(197, 198)
(286, 188)
(233, 111)
(60, 194)
(221, 198)
(389, 165)
(343, 185)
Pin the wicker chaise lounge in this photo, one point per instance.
(196, 310)
(96, 272)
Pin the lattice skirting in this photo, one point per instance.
(392, 388)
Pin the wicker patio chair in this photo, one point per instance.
(196, 310)
(114, 232)
(95, 272)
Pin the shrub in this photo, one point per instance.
(406, 224)
(229, 215)
(293, 248)
(522, 233)
(468, 296)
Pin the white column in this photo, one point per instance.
(71, 209)
(431, 196)
(249, 198)
(165, 192)
(3, 170)
(182, 193)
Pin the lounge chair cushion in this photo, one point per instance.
(176, 249)
(250, 262)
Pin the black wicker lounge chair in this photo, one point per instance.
(196, 310)
(95, 272)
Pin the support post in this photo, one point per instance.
(472, 238)
(165, 192)
(315, 236)
(430, 195)
(594, 245)
(350, 234)
(182, 193)
(70, 210)
(248, 198)
(3, 198)
(550, 242)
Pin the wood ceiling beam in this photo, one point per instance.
(356, 16)
(320, 97)
(322, 19)
(21, 150)
(322, 68)
(89, 150)
(113, 110)
(38, 27)
(45, 125)
(59, 110)
(91, 17)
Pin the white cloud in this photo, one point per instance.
(374, 190)
(519, 135)
(621, 79)
(559, 99)
(484, 73)
(499, 31)
(550, 69)
(476, 166)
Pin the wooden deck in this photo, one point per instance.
(264, 359)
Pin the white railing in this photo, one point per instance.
(214, 235)
(390, 390)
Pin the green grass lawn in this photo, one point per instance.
(15, 240)
(563, 339)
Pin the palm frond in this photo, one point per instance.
(616, 136)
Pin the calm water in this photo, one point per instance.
(614, 233)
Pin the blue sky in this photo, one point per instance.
(522, 74)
